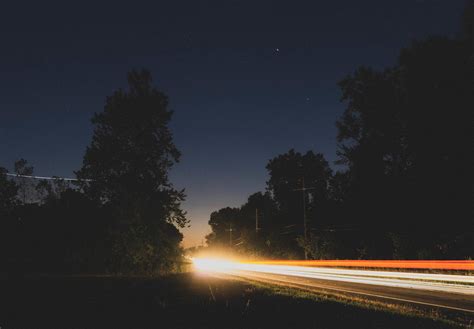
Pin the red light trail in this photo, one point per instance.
(457, 265)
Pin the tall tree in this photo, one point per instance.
(127, 167)
(221, 222)
(406, 137)
(289, 173)
(299, 184)
(259, 210)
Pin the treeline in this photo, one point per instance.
(405, 143)
(122, 213)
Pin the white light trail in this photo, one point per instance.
(459, 284)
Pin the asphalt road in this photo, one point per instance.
(459, 301)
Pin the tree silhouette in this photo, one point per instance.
(127, 165)
(405, 137)
(221, 222)
(287, 173)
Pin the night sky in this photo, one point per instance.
(247, 79)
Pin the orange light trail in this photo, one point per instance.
(458, 265)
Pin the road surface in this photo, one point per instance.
(447, 291)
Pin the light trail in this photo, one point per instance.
(459, 265)
(463, 284)
(423, 287)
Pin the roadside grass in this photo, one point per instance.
(455, 319)
(189, 301)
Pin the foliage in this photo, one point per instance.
(408, 160)
(127, 167)
(48, 191)
(131, 153)
(292, 171)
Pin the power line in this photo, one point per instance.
(49, 178)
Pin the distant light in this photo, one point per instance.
(213, 265)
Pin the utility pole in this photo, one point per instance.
(256, 221)
(230, 234)
(305, 225)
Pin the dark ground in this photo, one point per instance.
(178, 301)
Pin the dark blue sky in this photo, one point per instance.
(247, 79)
